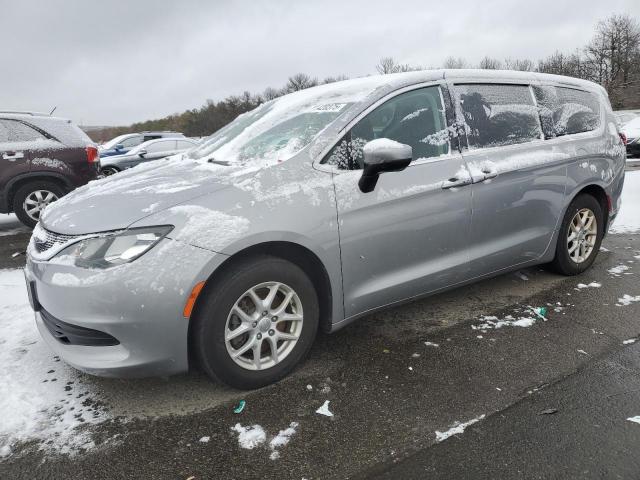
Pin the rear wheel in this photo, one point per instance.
(31, 199)
(256, 323)
(580, 236)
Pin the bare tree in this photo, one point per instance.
(271, 93)
(522, 64)
(452, 62)
(337, 78)
(300, 81)
(389, 65)
(488, 63)
(558, 63)
(613, 55)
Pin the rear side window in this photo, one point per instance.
(12, 131)
(566, 111)
(415, 118)
(498, 115)
(163, 146)
(131, 142)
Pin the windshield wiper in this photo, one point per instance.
(219, 162)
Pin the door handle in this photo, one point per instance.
(12, 155)
(456, 182)
(489, 173)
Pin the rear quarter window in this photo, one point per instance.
(567, 111)
(498, 115)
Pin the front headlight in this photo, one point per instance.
(109, 250)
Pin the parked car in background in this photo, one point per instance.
(146, 152)
(123, 143)
(625, 116)
(321, 207)
(632, 131)
(41, 159)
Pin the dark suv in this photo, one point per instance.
(41, 159)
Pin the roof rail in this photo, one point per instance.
(24, 112)
(159, 131)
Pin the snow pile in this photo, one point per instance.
(324, 410)
(589, 285)
(635, 419)
(618, 270)
(628, 219)
(490, 322)
(627, 299)
(41, 398)
(281, 440)
(250, 437)
(254, 436)
(456, 429)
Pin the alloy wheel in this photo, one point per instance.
(582, 235)
(36, 201)
(264, 326)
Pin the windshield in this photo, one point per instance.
(114, 141)
(277, 130)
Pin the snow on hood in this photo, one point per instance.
(119, 200)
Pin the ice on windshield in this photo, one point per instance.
(277, 130)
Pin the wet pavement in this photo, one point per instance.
(390, 393)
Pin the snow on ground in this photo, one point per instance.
(10, 225)
(281, 440)
(628, 220)
(627, 299)
(589, 285)
(635, 419)
(618, 270)
(324, 409)
(491, 322)
(255, 436)
(456, 429)
(41, 399)
(250, 437)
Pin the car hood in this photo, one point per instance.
(119, 200)
(631, 132)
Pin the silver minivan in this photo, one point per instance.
(318, 208)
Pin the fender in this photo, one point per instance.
(37, 175)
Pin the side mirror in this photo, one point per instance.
(383, 155)
(119, 146)
(142, 153)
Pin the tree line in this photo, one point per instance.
(611, 58)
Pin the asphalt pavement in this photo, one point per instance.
(549, 400)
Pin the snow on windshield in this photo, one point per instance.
(277, 130)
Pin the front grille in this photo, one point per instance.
(74, 335)
(45, 240)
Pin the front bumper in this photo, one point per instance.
(139, 304)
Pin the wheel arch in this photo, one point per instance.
(27, 178)
(600, 194)
(299, 255)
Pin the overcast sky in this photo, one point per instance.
(106, 62)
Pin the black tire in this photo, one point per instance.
(106, 171)
(217, 300)
(563, 263)
(23, 192)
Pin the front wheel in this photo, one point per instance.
(256, 323)
(580, 236)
